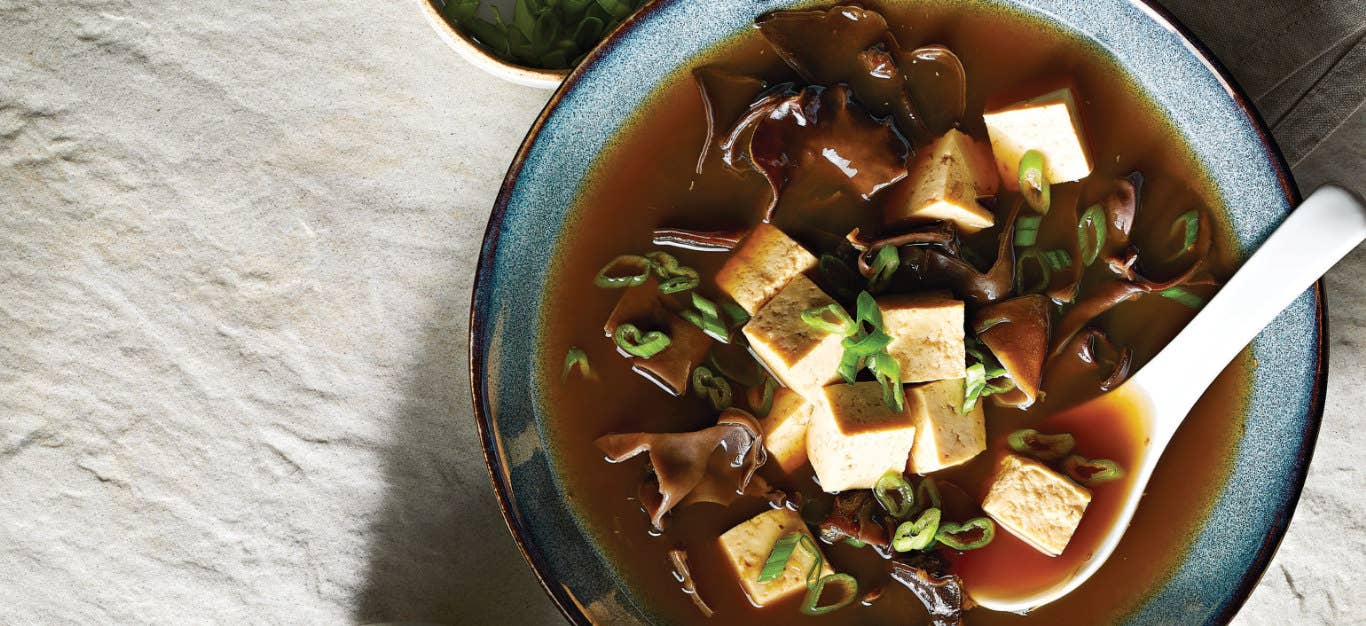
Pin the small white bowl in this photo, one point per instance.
(482, 59)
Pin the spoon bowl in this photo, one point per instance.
(1324, 229)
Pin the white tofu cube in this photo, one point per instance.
(764, 263)
(747, 547)
(803, 358)
(943, 436)
(1036, 504)
(1051, 124)
(927, 336)
(944, 183)
(854, 437)
(785, 429)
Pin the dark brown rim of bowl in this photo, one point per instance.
(570, 607)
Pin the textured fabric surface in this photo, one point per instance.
(236, 246)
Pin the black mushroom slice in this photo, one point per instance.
(725, 97)
(679, 558)
(1091, 356)
(927, 575)
(856, 515)
(715, 464)
(1121, 205)
(700, 240)
(846, 44)
(939, 234)
(934, 268)
(1016, 331)
(938, 86)
(820, 137)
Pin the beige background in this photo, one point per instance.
(236, 247)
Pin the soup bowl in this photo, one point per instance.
(1248, 514)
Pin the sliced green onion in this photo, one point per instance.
(831, 319)
(868, 311)
(1091, 234)
(644, 345)
(811, 606)
(919, 534)
(1040, 446)
(1033, 183)
(737, 314)
(778, 556)
(1188, 224)
(1092, 471)
(868, 345)
(575, 357)
(711, 387)
(706, 318)
(686, 279)
(970, 535)
(614, 275)
(855, 542)
(665, 264)
(972, 387)
(849, 366)
(884, 265)
(888, 373)
(1184, 297)
(1057, 260)
(900, 503)
(1027, 230)
(813, 573)
(762, 401)
(1045, 274)
(927, 492)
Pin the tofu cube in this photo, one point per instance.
(1036, 504)
(943, 436)
(927, 336)
(785, 429)
(1051, 124)
(944, 183)
(764, 263)
(803, 358)
(747, 547)
(854, 437)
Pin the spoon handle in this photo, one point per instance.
(1327, 226)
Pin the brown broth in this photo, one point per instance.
(647, 178)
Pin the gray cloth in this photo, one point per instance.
(236, 246)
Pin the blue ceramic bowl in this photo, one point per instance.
(1248, 517)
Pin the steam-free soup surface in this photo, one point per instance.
(648, 178)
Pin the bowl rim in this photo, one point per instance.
(565, 602)
(471, 51)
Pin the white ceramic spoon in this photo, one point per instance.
(1327, 226)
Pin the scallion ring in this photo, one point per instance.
(575, 358)
(867, 312)
(614, 276)
(1092, 471)
(973, 386)
(635, 343)
(778, 557)
(888, 372)
(849, 366)
(760, 396)
(1188, 225)
(885, 264)
(1091, 234)
(867, 345)
(1057, 260)
(713, 388)
(1027, 230)
(895, 494)
(1034, 182)
(1184, 297)
(686, 279)
(970, 535)
(1041, 446)
(811, 604)
(927, 493)
(919, 534)
(831, 319)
